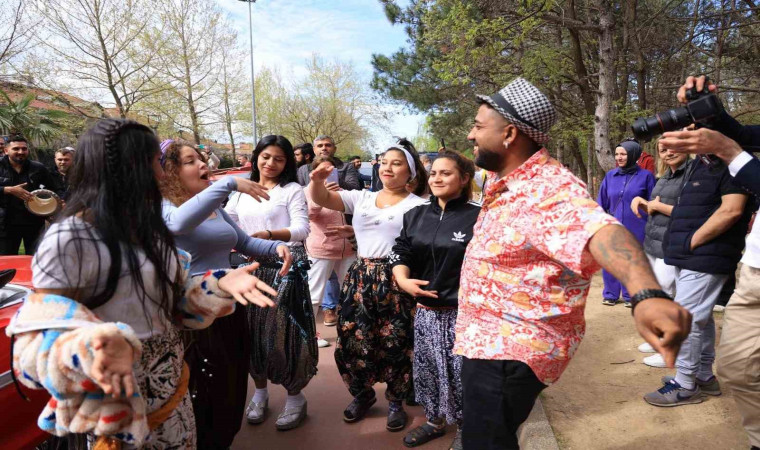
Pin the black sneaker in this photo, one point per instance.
(358, 408)
(609, 302)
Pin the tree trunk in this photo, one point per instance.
(590, 169)
(606, 86)
(578, 156)
(580, 67)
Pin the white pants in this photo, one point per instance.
(320, 272)
(665, 274)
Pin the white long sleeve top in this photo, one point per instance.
(286, 208)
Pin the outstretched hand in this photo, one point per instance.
(413, 288)
(252, 188)
(247, 289)
(664, 324)
(637, 204)
(112, 363)
(702, 140)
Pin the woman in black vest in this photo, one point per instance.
(426, 261)
(664, 196)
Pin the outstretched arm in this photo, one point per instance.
(662, 322)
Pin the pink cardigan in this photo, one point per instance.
(317, 244)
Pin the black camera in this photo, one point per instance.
(702, 108)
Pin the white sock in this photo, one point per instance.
(260, 395)
(295, 400)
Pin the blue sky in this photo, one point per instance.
(287, 32)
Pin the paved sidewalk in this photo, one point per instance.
(324, 427)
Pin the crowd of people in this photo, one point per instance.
(459, 284)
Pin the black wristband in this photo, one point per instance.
(646, 294)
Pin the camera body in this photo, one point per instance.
(702, 109)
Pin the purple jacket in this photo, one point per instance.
(618, 191)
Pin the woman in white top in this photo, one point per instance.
(283, 217)
(375, 324)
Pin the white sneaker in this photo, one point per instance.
(655, 360)
(321, 343)
(646, 347)
(719, 308)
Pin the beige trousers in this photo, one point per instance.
(739, 350)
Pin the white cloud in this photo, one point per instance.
(287, 33)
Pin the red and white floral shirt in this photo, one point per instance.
(527, 270)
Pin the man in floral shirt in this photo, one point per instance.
(527, 271)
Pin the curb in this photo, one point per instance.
(536, 433)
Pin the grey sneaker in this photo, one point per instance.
(291, 417)
(256, 412)
(709, 387)
(672, 394)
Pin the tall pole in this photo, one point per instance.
(253, 76)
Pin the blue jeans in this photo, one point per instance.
(332, 295)
(698, 292)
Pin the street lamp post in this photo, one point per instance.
(253, 76)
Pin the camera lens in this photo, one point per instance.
(673, 119)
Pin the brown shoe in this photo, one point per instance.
(331, 318)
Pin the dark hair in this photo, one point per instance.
(17, 138)
(115, 191)
(465, 167)
(421, 178)
(306, 149)
(288, 174)
(355, 157)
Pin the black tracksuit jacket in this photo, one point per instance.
(432, 244)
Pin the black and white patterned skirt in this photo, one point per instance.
(283, 338)
(437, 370)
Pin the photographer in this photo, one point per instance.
(725, 141)
(739, 348)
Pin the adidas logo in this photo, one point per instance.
(458, 237)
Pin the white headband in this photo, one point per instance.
(409, 160)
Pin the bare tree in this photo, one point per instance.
(188, 61)
(102, 44)
(232, 85)
(15, 31)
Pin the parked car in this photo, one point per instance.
(18, 417)
(237, 171)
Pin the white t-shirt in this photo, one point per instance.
(286, 208)
(752, 250)
(72, 255)
(376, 228)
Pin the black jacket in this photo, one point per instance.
(749, 177)
(12, 210)
(348, 176)
(700, 197)
(432, 244)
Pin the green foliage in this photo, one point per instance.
(39, 125)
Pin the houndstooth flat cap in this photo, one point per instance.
(526, 107)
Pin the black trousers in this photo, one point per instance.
(13, 235)
(498, 397)
(218, 359)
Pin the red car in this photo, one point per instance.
(18, 419)
(237, 171)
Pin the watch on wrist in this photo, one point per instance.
(646, 294)
(270, 234)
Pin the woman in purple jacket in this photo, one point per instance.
(620, 186)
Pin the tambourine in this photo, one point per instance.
(43, 203)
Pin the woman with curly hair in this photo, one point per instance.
(218, 356)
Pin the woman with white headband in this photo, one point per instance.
(375, 323)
